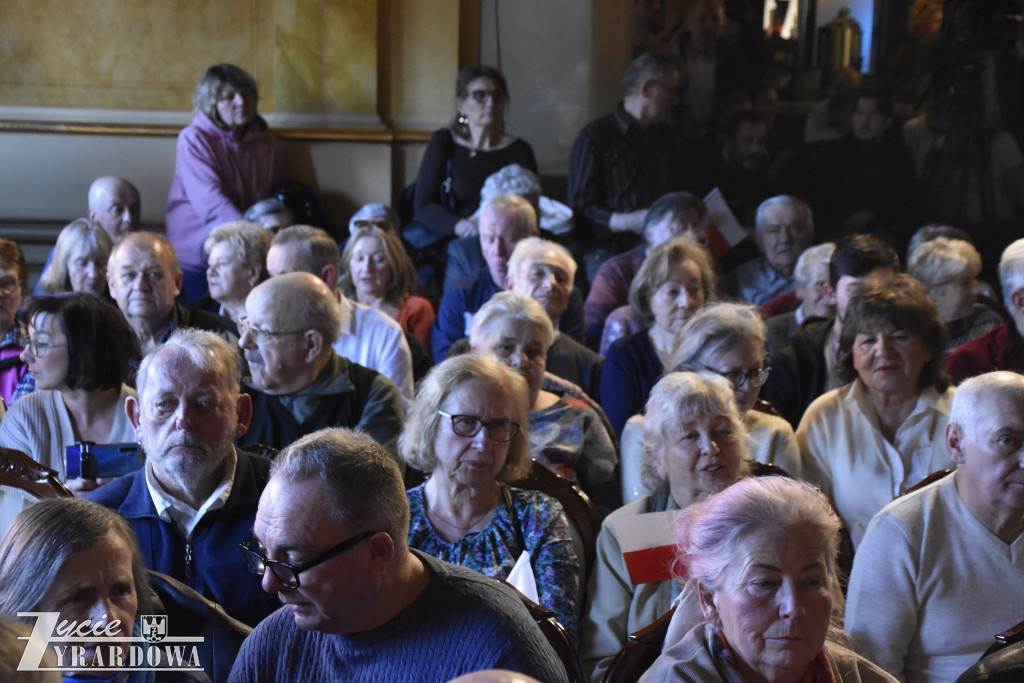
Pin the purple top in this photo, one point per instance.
(216, 178)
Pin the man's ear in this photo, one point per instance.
(133, 410)
(91, 215)
(179, 282)
(830, 294)
(315, 344)
(1017, 299)
(955, 443)
(382, 551)
(243, 411)
(707, 605)
(329, 274)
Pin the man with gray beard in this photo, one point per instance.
(196, 498)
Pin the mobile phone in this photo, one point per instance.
(94, 460)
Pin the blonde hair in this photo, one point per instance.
(77, 237)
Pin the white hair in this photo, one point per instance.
(1011, 271)
(530, 246)
(811, 260)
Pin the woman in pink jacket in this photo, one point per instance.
(226, 162)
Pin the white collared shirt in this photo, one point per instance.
(376, 341)
(181, 514)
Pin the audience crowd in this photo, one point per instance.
(346, 446)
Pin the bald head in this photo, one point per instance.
(290, 323)
(494, 676)
(114, 203)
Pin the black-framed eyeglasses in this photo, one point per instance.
(36, 347)
(739, 378)
(288, 573)
(261, 336)
(470, 425)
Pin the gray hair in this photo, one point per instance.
(318, 247)
(375, 212)
(647, 66)
(530, 246)
(267, 207)
(366, 487)
(514, 206)
(681, 395)
(45, 536)
(811, 260)
(711, 533)
(942, 259)
(803, 211)
(510, 305)
(416, 444)
(205, 350)
(712, 330)
(513, 179)
(967, 407)
(250, 240)
(927, 233)
(1011, 271)
(80, 236)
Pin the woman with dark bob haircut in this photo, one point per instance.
(865, 443)
(79, 349)
(462, 156)
(226, 163)
(80, 559)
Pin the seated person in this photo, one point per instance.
(864, 443)
(862, 181)
(468, 431)
(236, 261)
(383, 612)
(675, 281)
(504, 221)
(79, 349)
(15, 379)
(695, 444)
(949, 271)
(784, 229)
(79, 260)
(737, 163)
(299, 383)
(811, 279)
(144, 278)
(78, 559)
(565, 433)
(546, 271)
(366, 336)
(1003, 347)
(762, 556)
(931, 578)
(271, 213)
(379, 274)
(195, 499)
(805, 369)
(670, 216)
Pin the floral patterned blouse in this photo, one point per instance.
(494, 550)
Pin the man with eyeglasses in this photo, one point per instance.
(15, 379)
(625, 160)
(144, 278)
(359, 604)
(299, 382)
(195, 499)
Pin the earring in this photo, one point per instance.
(462, 120)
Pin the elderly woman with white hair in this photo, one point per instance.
(79, 260)
(468, 430)
(811, 278)
(728, 340)
(761, 555)
(949, 269)
(236, 261)
(697, 445)
(565, 433)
